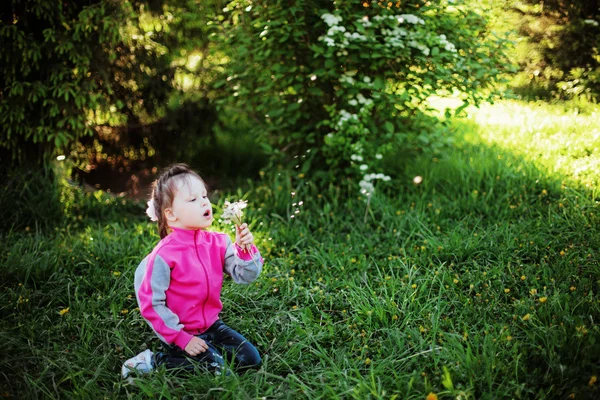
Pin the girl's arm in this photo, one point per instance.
(152, 280)
(243, 266)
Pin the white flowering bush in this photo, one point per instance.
(332, 87)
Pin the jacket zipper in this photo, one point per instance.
(205, 276)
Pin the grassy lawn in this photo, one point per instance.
(480, 282)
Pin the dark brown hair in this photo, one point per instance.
(163, 192)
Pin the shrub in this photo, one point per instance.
(334, 86)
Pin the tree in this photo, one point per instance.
(561, 54)
(73, 70)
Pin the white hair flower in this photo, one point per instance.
(151, 211)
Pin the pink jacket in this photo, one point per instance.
(178, 286)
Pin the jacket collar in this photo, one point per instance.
(187, 236)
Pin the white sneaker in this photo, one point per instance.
(142, 363)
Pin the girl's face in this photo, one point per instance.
(191, 208)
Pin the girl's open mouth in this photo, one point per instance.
(207, 213)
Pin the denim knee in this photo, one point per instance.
(249, 357)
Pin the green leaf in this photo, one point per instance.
(389, 126)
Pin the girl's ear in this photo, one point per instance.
(170, 215)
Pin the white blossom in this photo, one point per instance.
(365, 21)
(447, 45)
(346, 116)
(395, 37)
(367, 187)
(356, 157)
(355, 35)
(347, 79)
(364, 167)
(331, 19)
(419, 46)
(363, 100)
(372, 177)
(411, 19)
(335, 29)
(329, 41)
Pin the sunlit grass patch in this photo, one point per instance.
(562, 141)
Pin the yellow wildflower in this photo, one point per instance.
(543, 299)
(64, 311)
(526, 317)
(581, 329)
(414, 286)
(506, 290)
(431, 396)
(593, 380)
(368, 361)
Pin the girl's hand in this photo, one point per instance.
(196, 346)
(243, 236)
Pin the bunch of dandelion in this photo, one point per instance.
(232, 213)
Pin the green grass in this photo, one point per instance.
(481, 282)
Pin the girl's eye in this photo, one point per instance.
(194, 199)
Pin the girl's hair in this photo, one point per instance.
(163, 192)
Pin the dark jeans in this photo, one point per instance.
(224, 346)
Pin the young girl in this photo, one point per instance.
(178, 285)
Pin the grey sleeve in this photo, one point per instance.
(242, 271)
(151, 297)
